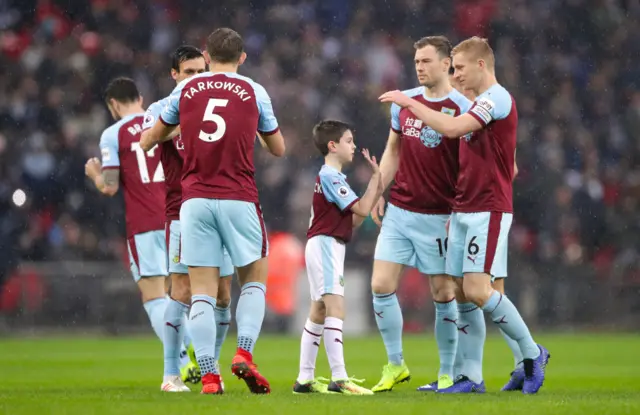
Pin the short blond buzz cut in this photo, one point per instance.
(477, 47)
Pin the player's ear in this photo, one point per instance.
(114, 107)
(482, 64)
(140, 99)
(207, 58)
(446, 62)
(243, 57)
(174, 74)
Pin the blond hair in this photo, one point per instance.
(477, 47)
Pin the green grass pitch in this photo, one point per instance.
(587, 374)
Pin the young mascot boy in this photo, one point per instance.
(335, 211)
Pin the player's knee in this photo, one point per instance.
(180, 289)
(223, 300)
(498, 285)
(475, 293)
(381, 285)
(443, 288)
(317, 312)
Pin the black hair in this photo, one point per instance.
(184, 53)
(123, 90)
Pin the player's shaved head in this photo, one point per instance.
(225, 45)
(123, 90)
(327, 131)
(440, 43)
(476, 48)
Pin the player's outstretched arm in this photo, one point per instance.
(390, 159)
(157, 134)
(106, 181)
(388, 167)
(364, 206)
(442, 123)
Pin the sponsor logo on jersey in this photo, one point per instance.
(430, 138)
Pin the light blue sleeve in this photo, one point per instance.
(395, 117)
(494, 104)
(152, 114)
(171, 112)
(337, 190)
(109, 147)
(267, 123)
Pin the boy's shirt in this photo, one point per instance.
(331, 208)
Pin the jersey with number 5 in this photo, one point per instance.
(219, 114)
(141, 174)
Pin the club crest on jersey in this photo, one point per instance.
(343, 191)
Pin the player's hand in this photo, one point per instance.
(93, 167)
(378, 212)
(396, 97)
(371, 160)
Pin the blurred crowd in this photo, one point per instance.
(571, 65)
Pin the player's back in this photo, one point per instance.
(426, 178)
(141, 174)
(219, 116)
(330, 209)
(171, 159)
(487, 156)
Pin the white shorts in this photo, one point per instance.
(478, 242)
(324, 256)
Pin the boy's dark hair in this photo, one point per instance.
(327, 131)
(225, 45)
(184, 53)
(123, 90)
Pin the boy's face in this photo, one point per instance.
(345, 147)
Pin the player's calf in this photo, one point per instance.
(249, 317)
(154, 302)
(389, 320)
(443, 290)
(223, 312)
